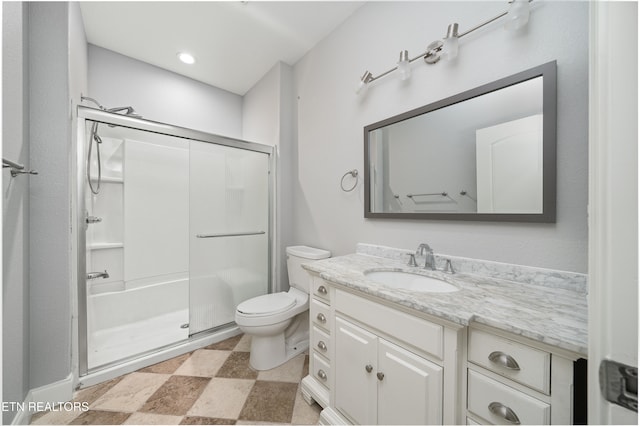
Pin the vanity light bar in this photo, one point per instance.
(519, 16)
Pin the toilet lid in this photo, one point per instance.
(273, 303)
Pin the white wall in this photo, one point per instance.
(330, 120)
(160, 95)
(15, 206)
(267, 112)
(50, 237)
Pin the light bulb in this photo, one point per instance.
(364, 82)
(450, 43)
(518, 15)
(404, 66)
(187, 58)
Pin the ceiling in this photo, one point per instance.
(235, 43)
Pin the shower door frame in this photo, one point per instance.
(79, 220)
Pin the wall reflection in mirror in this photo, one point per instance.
(486, 154)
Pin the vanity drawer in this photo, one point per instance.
(320, 341)
(500, 404)
(518, 362)
(321, 370)
(320, 289)
(416, 331)
(320, 315)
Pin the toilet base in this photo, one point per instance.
(272, 351)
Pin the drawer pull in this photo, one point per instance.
(322, 346)
(321, 318)
(503, 360)
(322, 290)
(504, 412)
(380, 376)
(322, 375)
(369, 368)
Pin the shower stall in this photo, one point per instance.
(173, 232)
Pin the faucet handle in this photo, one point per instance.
(448, 267)
(412, 259)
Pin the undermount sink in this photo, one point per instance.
(410, 281)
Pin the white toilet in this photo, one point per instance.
(278, 323)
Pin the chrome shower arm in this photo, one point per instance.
(86, 98)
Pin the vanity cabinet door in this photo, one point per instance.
(378, 382)
(410, 390)
(355, 372)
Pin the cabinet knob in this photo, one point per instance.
(380, 376)
(503, 360)
(322, 375)
(369, 368)
(322, 346)
(321, 318)
(504, 412)
(322, 290)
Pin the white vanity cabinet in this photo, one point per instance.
(388, 366)
(378, 382)
(373, 361)
(510, 381)
(316, 386)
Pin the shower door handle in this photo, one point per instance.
(230, 234)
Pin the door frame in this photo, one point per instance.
(613, 198)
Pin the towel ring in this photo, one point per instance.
(353, 173)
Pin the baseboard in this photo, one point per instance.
(22, 417)
(329, 416)
(47, 395)
(60, 391)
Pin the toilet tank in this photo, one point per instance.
(296, 256)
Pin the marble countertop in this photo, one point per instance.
(555, 316)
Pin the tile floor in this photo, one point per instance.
(210, 386)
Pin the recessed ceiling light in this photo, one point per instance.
(187, 58)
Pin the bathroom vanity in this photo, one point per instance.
(493, 351)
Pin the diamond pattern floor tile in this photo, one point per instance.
(214, 385)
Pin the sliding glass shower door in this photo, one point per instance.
(229, 241)
(175, 239)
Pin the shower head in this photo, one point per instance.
(126, 109)
(86, 98)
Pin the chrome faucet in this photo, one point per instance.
(94, 275)
(429, 261)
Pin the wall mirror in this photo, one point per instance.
(485, 154)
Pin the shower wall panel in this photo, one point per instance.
(156, 209)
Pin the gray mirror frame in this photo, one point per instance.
(549, 89)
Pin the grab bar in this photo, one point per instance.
(440, 194)
(231, 234)
(16, 169)
(444, 194)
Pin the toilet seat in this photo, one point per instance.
(268, 304)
